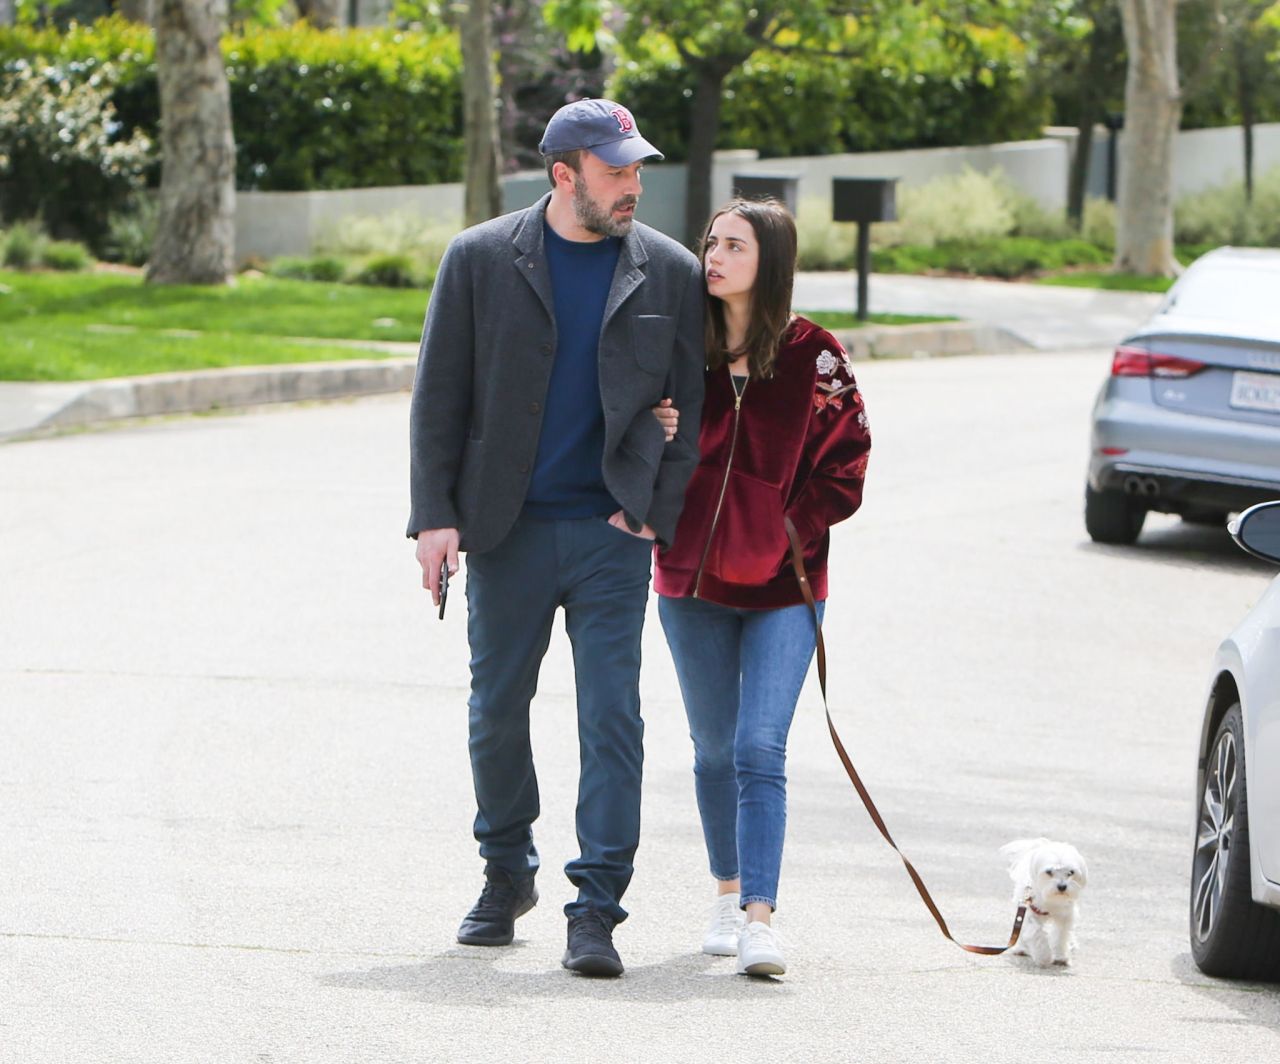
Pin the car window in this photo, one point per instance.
(1245, 296)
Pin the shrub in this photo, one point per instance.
(823, 244)
(316, 268)
(66, 255)
(1098, 224)
(400, 234)
(1031, 218)
(957, 207)
(388, 271)
(21, 245)
(1223, 216)
(1007, 257)
(63, 155)
(313, 108)
(131, 232)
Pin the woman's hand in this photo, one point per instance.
(668, 417)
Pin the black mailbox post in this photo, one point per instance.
(785, 188)
(864, 200)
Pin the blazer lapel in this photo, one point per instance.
(627, 277)
(531, 258)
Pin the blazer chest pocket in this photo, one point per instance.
(652, 337)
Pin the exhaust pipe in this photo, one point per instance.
(1136, 485)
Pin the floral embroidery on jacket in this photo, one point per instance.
(833, 392)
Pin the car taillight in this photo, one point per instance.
(1135, 362)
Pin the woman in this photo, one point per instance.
(783, 435)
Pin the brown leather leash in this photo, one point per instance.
(798, 564)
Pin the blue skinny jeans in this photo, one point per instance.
(740, 674)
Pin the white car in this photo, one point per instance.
(1235, 873)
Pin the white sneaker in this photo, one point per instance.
(724, 924)
(759, 952)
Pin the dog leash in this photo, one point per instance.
(990, 951)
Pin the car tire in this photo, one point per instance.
(1112, 516)
(1231, 935)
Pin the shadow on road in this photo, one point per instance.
(1183, 544)
(475, 976)
(1257, 1003)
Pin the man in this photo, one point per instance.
(551, 334)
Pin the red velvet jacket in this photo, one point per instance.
(797, 446)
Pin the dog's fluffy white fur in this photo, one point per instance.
(1047, 878)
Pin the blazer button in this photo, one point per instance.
(524, 467)
(534, 407)
(545, 349)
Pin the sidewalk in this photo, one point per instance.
(996, 317)
(1046, 317)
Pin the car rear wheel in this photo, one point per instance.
(1112, 516)
(1231, 935)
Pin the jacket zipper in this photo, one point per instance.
(715, 518)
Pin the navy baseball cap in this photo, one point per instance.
(604, 128)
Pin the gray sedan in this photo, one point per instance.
(1235, 869)
(1189, 420)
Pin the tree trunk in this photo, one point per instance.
(195, 232)
(143, 11)
(1078, 177)
(1248, 113)
(704, 125)
(483, 196)
(1153, 109)
(7, 12)
(323, 14)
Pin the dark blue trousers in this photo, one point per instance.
(600, 575)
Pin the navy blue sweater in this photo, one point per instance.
(567, 481)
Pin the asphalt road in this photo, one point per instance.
(235, 805)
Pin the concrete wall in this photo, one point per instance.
(1037, 167)
(1206, 158)
(661, 206)
(289, 223)
(1202, 158)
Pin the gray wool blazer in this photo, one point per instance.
(485, 362)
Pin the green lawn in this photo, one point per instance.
(54, 352)
(60, 326)
(847, 319)
(1123, 282)
(1115, 282)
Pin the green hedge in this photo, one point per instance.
(1008, 257)
(312, 108)
(801, 105)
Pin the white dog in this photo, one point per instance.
(1047, 878)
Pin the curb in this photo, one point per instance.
(42, 408)
(201, 391)
(930, 340)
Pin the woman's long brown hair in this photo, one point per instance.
(775, 231)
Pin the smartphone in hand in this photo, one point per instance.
(444, 585)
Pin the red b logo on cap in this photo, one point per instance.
(625, 125)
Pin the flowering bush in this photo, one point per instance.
(64, 156)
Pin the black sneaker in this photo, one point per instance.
(591, 949)
(492, 922)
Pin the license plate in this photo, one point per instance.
(1255, 391)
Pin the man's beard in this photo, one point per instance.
(595, 220)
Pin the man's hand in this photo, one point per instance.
(619, 521)
(434, 546)
(668, 417)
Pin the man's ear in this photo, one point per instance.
(564, 175)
